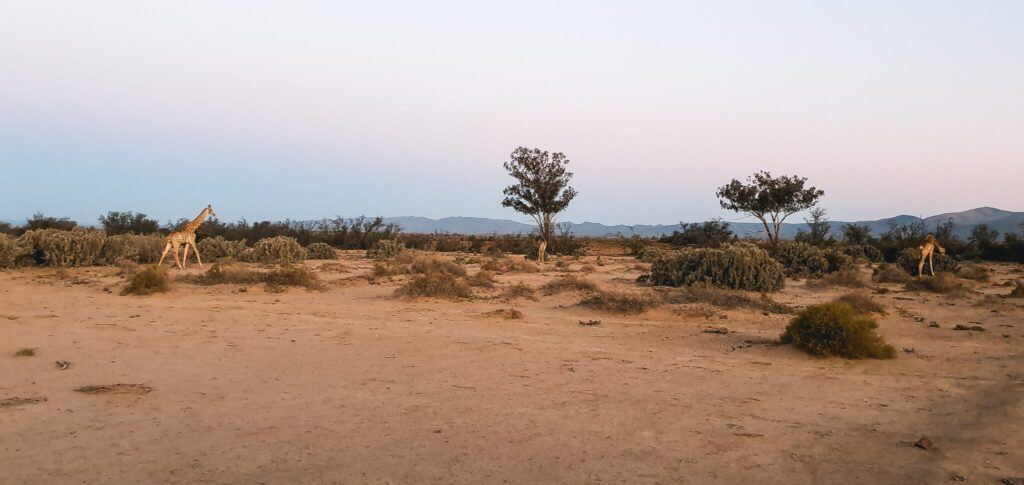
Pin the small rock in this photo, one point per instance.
(63, 364)
(956, 477)
(909, 350)
(924, 443)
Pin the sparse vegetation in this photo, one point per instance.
(222, 273)
(506, 264)
(506, 313)
(385, 249)
(836, 329)
(850, 278)
(722, 298)
(889, 273)
(972, 271)
(482, 279)
(151, 279)
(425, 264)
(740, 267)
(519, 290)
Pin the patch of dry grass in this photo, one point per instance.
(20, 401)
(861, 302)
(620, 302)
(116, 389)
(151, 279)
(436, 284)
(568, 283)
(25, 352)
(722, 298)
(889, 273)
(944, 283)
(506, 313)
(482, 279)
(509, 265)
(850, 278)
(425, 264)
(519, 290)
(972, 271)
(276, 280)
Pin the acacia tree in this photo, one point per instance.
(769, 199)
(542, 186)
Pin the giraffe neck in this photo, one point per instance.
(192, 226)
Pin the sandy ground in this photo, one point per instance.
(353, 385)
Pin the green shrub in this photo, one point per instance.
(119, 249)
(55, 247)
(275, 250)
(909, 257)
(722, 298)
(385, 249)
(151, 279)
(214, 248)
(836, 329)
(735, 267)
(149, 247)
(837, 260)
(436, 285)
(889, 273)
(320, 251)
(620, 302)
(862, 251)
(10, 251)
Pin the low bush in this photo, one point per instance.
(214, 248)
(722, 298)
(436, 285)
(151, 279)
(889, 273)
(568, 283)
(425, 264)
(509, 265)
(850, 277)
(836, 329)
(222, 273)
(862, 251)
(972, 271)
(940, 283)
(320, 251)
(385, 249)
(804, 260)
(506, 313)
(118, 249)
(619, 302)
(861, 302)
(736, 267)
(275, 250)
(519, 290)
(55, 247)
(10, 251)
(384, 270)
(299, 276)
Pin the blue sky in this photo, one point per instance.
(306, 109)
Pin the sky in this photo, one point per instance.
(305, 109)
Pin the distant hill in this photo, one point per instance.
(1000, 220)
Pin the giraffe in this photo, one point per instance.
(927, 249)
(186, 236)
(542, 248)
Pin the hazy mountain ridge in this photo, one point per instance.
(998, 219)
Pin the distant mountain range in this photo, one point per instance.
(1000, 220)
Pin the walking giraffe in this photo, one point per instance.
(186, 236)
(927, 249)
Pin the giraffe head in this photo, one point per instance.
(209, 210)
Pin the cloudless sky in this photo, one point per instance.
(305, 109)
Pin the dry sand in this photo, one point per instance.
(352, 385)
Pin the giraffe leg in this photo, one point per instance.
(162, 256)
(184, 257)
(930, 267)
(920, 265)
(196, 250)
(176, 260)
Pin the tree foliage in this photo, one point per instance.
(542, 186)
(128, 222)
(770, 199)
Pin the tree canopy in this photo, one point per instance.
(542, 186)
(769, 199)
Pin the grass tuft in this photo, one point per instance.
(151, 279)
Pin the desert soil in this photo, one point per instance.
(354, 385)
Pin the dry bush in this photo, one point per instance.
(850, 278)
(506, 313)
(214, 248)
(509, 265)
(10, 251)
(222, 273)
(320, 251)
(149, 247)
(54, 247)
(151, 279)
(425, 264)
(25, 352)
(972, 271)
(1018, 291)
(587, 268)
(275, 250)
(482, 279)
(836, 329)
(944, 283)
(568, 283)
(118, 249)
(299, 276)
(385, 249)
(721, 298)
(740, 267)
(519, 290)
(861, 302)
(561, 264)
(436, 285)
(889, 273)
(620, 302)
(385, 270)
